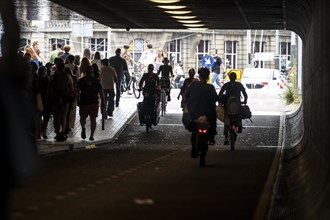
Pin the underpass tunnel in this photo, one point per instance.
(302, 188)
(304, 170)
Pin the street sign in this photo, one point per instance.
(207, 61)
(82, 30)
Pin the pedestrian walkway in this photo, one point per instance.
(113, 126)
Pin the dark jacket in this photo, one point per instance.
(201, 99)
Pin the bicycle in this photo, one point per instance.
(148, 112)
(200, 138)
(233, 130)
(137, 73)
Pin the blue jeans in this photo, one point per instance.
(215, 77)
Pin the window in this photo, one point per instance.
(23, 42)
(202, 50)
(57, 41)
(256, 49)
(285, 52)
(100, 45)
(174, 51)
(230, 58)
(138, 45)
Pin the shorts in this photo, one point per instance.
(91, 110)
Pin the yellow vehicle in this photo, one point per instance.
(239, 73)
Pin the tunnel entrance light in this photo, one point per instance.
(194, 25)
(184, 17)
(189, 21)
(178, 12)
(165, 1)
(172, 7)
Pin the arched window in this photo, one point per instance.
(138, 48)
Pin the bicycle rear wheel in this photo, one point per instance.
(203, 149)
(136, 91)
(163, 100)
(148, 122)
(232, 141)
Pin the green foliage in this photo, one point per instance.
(291, 94)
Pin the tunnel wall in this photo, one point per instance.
(302, 190)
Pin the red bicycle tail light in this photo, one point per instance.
(202, 131)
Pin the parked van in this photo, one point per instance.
(256, 78)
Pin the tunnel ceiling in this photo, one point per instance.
(292, 15)
(215, 14)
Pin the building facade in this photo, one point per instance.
(237, 48)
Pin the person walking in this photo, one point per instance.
(179, 74)
(89, 91)
(84, 65)
(186, 84)
(216, 74)
(66, 53)
(56, 48)
(44, 80)
(108, 79)
(129, 61)
(97, 59)
(158, 59)
(60, 93)
(120, 66)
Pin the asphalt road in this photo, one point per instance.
(151, 176)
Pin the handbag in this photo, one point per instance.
(245, 112)
(220, 112)
(187, 121)
(39, 104)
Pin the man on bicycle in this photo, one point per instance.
(230, 95)
(150, 86)
(201, 100)
(166, 72)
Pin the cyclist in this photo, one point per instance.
(201, 99)
(232, 91)
(166, 72)
(151, 88)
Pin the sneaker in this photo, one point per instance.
(168, 98)
(83, 133)
(226, 142)
(91, 138)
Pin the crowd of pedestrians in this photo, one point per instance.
(63, 82)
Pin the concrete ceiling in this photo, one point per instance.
(215, 14)
(144, 14)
